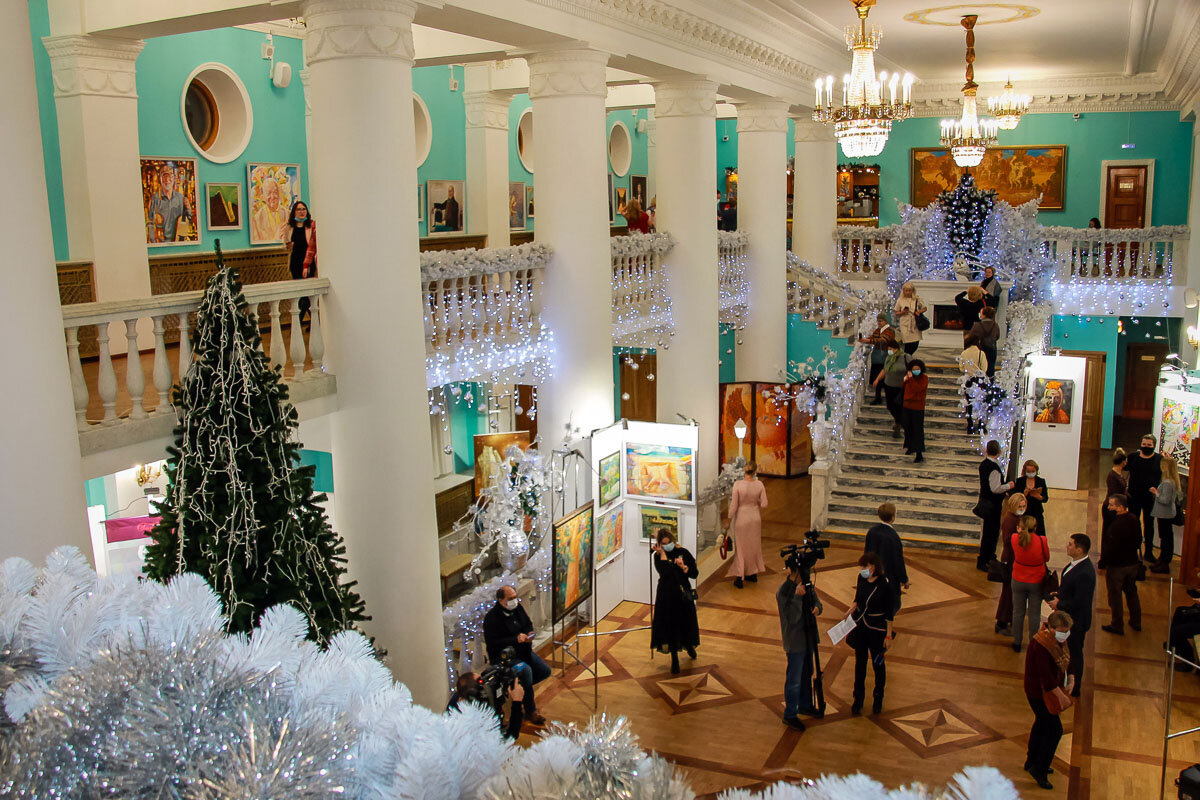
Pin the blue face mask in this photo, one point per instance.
(865, 572)
(669, 546)
(916, 372)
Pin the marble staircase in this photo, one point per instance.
(934, 498)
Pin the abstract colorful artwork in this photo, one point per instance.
(1180, 424)
(610, 535)
(653, 470)
(1016, 174)
(273, 189)
(224, 206)
(655, 517)
(572, 559)
(737, 403)
(610, 478)
(1052, 399)
(491, 450)
(169, 201)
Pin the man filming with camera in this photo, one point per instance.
(798, 606)
(472, 688)
(508, 625)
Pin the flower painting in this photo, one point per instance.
(1180, 424)
(660, 471)
(572, 558)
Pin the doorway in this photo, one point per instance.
(639, 395)
(1126, 193)
(1143, 360)
(1093, 398)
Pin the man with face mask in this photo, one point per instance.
(1145, 472)
(507, 625)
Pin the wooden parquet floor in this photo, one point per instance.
(954, 689)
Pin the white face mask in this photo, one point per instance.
(511, 605)
(669, 546)
(1062, 636)
(865, 572)
(1030, 474)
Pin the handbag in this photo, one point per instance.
(689, 593)
(726, 545)
(999, 572)
(1057, 700)
(1180, 517)
(1049, 582)
(922, 322)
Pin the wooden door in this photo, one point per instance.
(641, 389)
(1093, 398)
(1125, 197)
(1142, 363)
(524, 422)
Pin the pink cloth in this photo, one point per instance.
(746, 519)
(126, 529)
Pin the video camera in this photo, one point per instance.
(803, 557)
(495, 680)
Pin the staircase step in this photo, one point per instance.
(924, 516)
(849, 521)
(946, 429)
(936, 444)
(929, 541)
(941, 484)
(909, 498)
(899, 467)
(879, 413)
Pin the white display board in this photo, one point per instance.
(1054, 418)
(1176, 421)
(610, 575)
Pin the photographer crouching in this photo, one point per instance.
(798, 606)
(507, 625)
(489, 690)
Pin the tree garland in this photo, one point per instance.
(966, 208)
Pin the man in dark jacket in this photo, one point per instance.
(469, 690)
(1145, 473)
(1120, 548)
(883, 541)
(1076, 591)
(507, 625)
(1185, 624)
(797, 683)
(992, 490)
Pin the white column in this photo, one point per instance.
(685, 111)
(651, 155)
(37, 427)
(814, 206)
(567, 88)
(305, 79)
(95, 95)
(487, 157)
(358, 52)
(762, 215)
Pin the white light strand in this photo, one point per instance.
(641, 290)
(733, 280)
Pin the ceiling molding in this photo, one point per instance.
(1181, 58)
(281, 27)
(1064, 103)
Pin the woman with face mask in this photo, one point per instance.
(912, 418)
(872, 610)
(1031, 553)
(675, 626)
(1046, 677)
(1033, 486)
(300, 238)
(1015, 507)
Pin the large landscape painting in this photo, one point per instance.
(1016, 174)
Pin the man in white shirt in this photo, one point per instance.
(1076, 591)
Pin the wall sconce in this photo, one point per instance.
(144, 474)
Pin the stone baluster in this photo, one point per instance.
(185, 346)
(135, 381)
(297, 340)
(275, 353)
(106, 380)
(162, 369)
(316, 341)
(79, 391)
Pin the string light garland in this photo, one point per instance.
(733, 292)
(641, 290)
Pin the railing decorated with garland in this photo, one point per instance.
(862, 252)
(641, 290)
(733, 282)
(833, 304)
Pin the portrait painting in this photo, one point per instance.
(1016, 174)
(737, 403)
(169, 193)
(610, 478)
(622, 193)
(771, 420)
(655, 517)
(1179, 425)
(1052, 399)
(844, 184)
(492, 453)
(572, 557)
(273, 188)
(653, 470)
(637, 189)
(610, 535)
(446, 207)
(224, 206)
(516, 205)
(529, 202)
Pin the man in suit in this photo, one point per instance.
(883, 541)
(1120, 552)
(1076, 593)
(992, 490)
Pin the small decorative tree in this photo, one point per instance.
(239, 509)
(966, 209)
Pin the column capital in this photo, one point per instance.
(809, 131)
(358, 29)
(769, 116)
(102, 66)
(306, 83)
(685, 97)
(487, 109)
(565, 72)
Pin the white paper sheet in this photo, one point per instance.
(841, 630)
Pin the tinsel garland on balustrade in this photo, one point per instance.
(641, 290)
(132, 690)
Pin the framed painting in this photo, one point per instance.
(1052, 398)
(637, 190)
(610, 535)
(655, 517)
(611, 218)
(622, 193)
(610, 478)
(446, 207)
(772, 417)
(273, 188)
(224, 201)
(516, 206)
(169, 201)
(659, 471)
(572, 557)
(737, 403)
(420, 203)
(529, 202)
(1016, 174)
(1178, 425)
(801, 444)
(491, 451)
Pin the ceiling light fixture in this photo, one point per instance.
(969, 137)
(864, 120)
(1009, 107)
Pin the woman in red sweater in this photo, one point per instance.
(1046, 672)
(1030, 555)
(912, 414)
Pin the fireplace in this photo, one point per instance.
(945, 318)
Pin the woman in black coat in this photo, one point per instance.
(1033, 486)
(969, 303)
(872, 611)
(675, 626)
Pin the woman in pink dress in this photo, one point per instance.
(745, 521)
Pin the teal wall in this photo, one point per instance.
(728, 361)
(39, 23)
(323, 462)
(447, 159)
(639, 163)
(516, 170)
(1095, 137)
(805, 340)
(102, 492)
(727, 150)
(1093, 334)
(466, 421)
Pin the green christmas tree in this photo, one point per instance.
(240, 510)
(966, 209)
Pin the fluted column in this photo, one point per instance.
(814, 203)
(42, 489)
(358, 52)
(651, 155)
(684, 113)
(487, 159)
(762, 214)
(568, 89)
(305, 80)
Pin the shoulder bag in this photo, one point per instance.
(922, 322)
(1180, 517)
(999, 572)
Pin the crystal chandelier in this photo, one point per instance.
(1008, 107)
(864, 119)
(968, 137)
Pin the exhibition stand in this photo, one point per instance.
(1053, 419)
